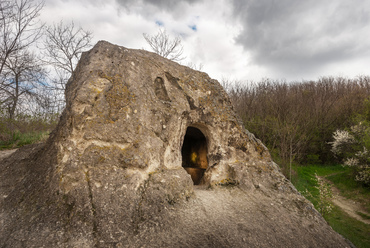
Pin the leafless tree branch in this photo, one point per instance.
(19, 68)
(162, 44)
(19, 27)
(64, 45)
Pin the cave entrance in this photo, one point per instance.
(194, 154)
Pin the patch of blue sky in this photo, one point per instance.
(159, 23)
(193, 27)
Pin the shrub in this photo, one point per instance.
(352, 147)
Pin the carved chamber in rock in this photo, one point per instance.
(194, 154)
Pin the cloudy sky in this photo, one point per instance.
(238, 39)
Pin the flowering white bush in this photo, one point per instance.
(341, 138)
(353, 147)
(351, 162)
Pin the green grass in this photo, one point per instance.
(356, 231)
(364, 216)
(351, 189)
(18, 139)
(304, 178)
(25, 129)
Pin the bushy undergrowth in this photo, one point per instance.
(24, 130)
(297, 119)
(18, 139)
(352, 145)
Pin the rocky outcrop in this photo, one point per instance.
(149, 153)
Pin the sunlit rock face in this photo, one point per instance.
(149, 153)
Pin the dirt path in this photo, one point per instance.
(347, 205)
(6, 153)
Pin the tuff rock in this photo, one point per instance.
(149, 153)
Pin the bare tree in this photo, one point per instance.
(19, 27)
(19, 30)
(162, 44)
(195, 66)
(64, 44)
(24, 74)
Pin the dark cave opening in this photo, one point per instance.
(194, 154)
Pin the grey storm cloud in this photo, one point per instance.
(280, 38)
(170, 6)
(290, 35)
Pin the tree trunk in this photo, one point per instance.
(15, 99)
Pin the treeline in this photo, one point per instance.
(297, 120)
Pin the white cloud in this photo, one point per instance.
(239, 39)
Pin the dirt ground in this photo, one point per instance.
(349, 206)
(6, 153)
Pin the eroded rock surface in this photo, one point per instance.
(114, 173)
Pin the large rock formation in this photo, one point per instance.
(149, 153)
